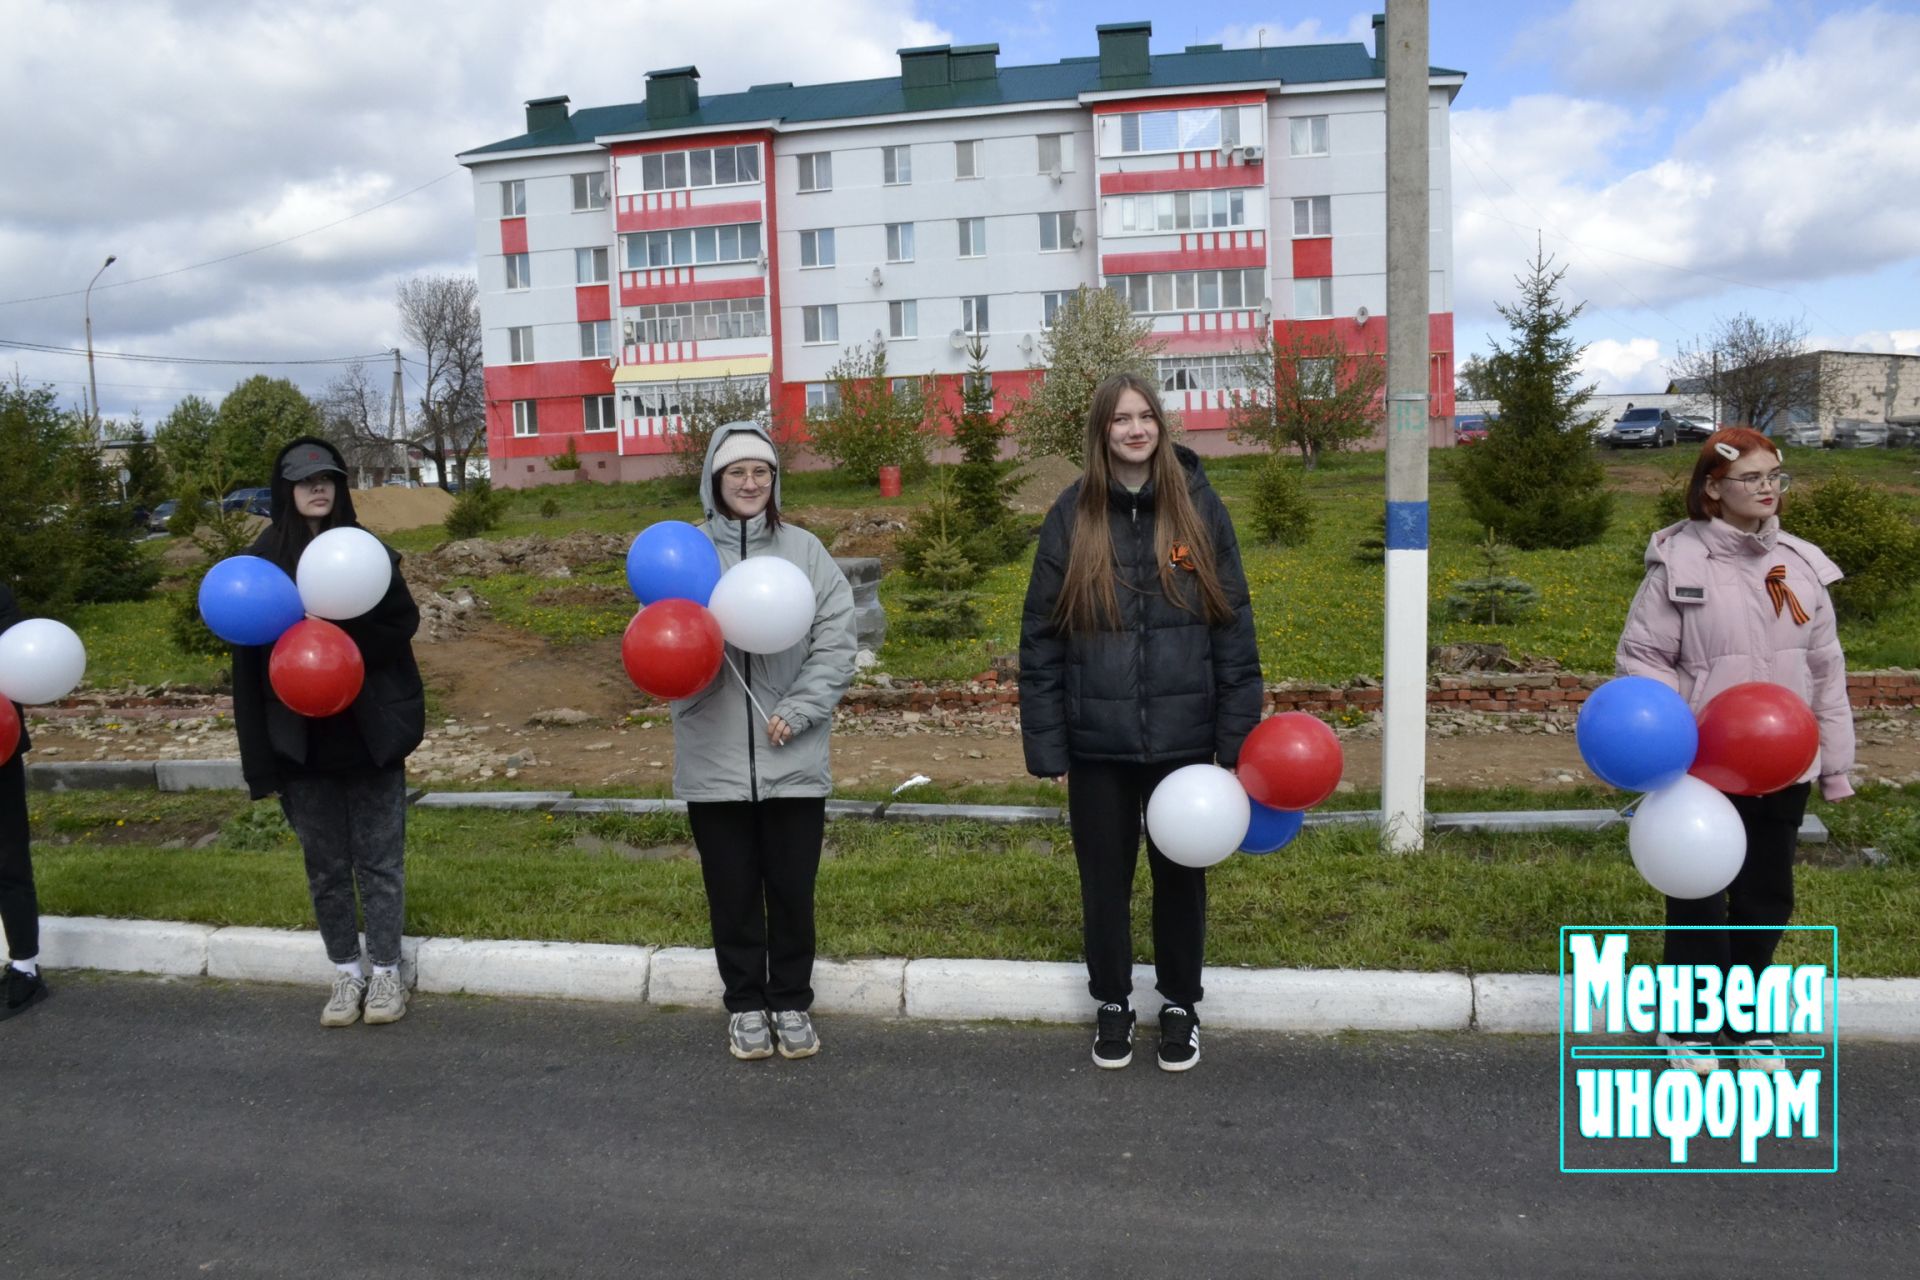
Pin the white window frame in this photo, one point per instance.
(896, 165)
(653, 168)
(680, 246)
(592, 266)
(899, 242)
(973, 237)
(1308, 136)
(969, 159)
(713, 320)
(1210, 290)
(1061, 145)
(1317, 212)
(513, 198)
(599, 414)
(520, 344)
(1320, 300)
(975, 315)
(1162, 211)
(816, 248)
(596, 339)
(903, 319)
(1051, 305)
(816, 171)
(526, 418)
(589, 191)
(1200, 373)
(822, 396)
(519, 267)
(820, 325)
(1061, 227)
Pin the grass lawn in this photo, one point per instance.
(1470, 903)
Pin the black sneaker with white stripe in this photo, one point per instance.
(1179, 1038)
(1113, 1036)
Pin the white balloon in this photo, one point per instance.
(764, 604)
(343, 573)
(1198, 815)
(40, 661)
(1687, 839)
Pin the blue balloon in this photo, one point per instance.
(249, 601)
(672, 560)
(1271, 828)
(1637, 734)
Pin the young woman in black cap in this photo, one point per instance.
(19, 905)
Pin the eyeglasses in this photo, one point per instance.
(1754, 482)
(744, 475)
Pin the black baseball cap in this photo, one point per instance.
(309, 460)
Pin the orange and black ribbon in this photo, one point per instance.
(1782, 595)
(1181, 558)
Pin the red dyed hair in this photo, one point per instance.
(1711, 465)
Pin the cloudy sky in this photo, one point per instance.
(267, 172)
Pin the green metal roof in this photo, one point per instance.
(1061, 81)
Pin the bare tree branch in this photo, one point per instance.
(441, 317)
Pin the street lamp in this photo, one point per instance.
(93, 388)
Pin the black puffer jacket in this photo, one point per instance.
(389, 718)
(10, 614)
(1166, 685)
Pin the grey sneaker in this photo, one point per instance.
(343, 1006)
(386, 999)
(1761, 1055)
(1688, 1055)
(795, 1029)
(748, 1037)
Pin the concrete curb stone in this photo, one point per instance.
(563, 970)
(246, 954)
(198, 775)
(101, 775)
(130, 946)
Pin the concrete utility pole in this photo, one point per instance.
(93, 388)
(1403, 765)
(396, 416)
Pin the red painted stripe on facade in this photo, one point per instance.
(1313, 258)
(690, 215)
(1233, 175)
(513, 235)
(696, 142)
(686, 291)
(592, 302)
(1127, 264)
(771, 242)
(1235, 97)
(557, 378)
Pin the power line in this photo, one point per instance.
(261, 248)
(152, 359)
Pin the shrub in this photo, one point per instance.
(1281, 512)
(476, 510)
(872, 425)
(1494, 597)
(549, 508)
(568, 459)
(708, 408)
(1870, 537)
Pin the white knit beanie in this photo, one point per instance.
(743, 446)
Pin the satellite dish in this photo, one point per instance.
(957, 340)
(1361, 315)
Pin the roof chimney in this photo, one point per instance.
(672, 92)
(924, 67)
(1123, 49)
(1379, 37)
(545, 113)
(973, 62)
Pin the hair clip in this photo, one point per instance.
(1726, 451)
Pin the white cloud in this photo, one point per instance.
(1634, 365)
(1905, 342)
(1641, 47)
(1278, 33)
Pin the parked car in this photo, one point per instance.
(1693, 427)
(158, 519)
(1903, 433)
(1803, 435)
(1649, 428)
(255, 502)
(1469, 429)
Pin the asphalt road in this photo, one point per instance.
(188, 1128)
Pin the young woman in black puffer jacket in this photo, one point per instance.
(1137, 656)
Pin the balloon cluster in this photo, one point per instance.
(689, 611)
(40, 661)
(316, 669)
(1686, 837)
(1201, 813)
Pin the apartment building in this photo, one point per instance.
(632, 255)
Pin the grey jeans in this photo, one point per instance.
(353, 829)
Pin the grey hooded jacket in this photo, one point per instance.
(720, 747)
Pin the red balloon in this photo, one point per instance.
(9, 730)
(316, 668)
(672, 648)
(1755, 739)
(1290, 761)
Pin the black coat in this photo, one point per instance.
(10, 614)
(1165, 685)
(388, 718)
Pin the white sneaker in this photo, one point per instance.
(343, 1006)
(1761, 1055)
(1689, 1055)
(386, 999)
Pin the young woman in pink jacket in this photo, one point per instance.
(1728, 598)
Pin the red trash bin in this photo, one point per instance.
(889, 482)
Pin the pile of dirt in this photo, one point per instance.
(533, 554)
(1473, 656)
(1040, 482)
(389, 508)
(876, 534)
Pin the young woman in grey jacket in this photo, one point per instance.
(751, 761)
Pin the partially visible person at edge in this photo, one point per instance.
(342, 778)
(19, 905)
(1137, 656)
(1728, 598)
(756, 784)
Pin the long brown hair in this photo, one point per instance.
(1714, 465)
(1087, 597)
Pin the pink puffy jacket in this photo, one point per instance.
(1703, 621)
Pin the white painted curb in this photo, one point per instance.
(131, 946)
(1879, 1009)
(1517, 1003)
(245, 954)
(1001, 989)
(1327, 1000)
(569, 971)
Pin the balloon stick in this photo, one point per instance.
(748, 689)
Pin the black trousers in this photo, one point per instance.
(19, 906)
(759, 860)
(1106, 804)
(1762, 894)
